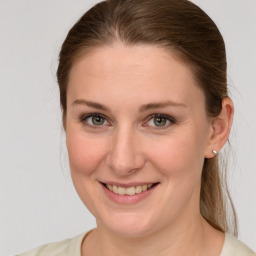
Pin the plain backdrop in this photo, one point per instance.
(38, 203)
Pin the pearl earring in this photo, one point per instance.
(215, 153)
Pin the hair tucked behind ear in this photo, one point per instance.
(182, 28)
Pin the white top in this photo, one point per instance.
(233, 247)
(68, 247)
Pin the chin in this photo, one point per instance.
(128, 225)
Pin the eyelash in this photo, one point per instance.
(168, 118)
(83, 119)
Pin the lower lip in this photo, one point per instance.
(125, 199)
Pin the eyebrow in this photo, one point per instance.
(90, 104)
(143, 108)
(161, 105)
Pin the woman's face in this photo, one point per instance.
(137, 134)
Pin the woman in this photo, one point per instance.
(143, 91)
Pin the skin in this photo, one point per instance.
(128, 147)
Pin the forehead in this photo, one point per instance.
(141, 72)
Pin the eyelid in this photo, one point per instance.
(167, 117)
(83, 118)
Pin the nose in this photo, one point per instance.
(125, 155)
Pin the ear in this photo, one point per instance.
(220, 128)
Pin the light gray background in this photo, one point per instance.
(38, 203)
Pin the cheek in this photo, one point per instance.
(173, 151)
(179, 156)
(179, 160)
(85, 153)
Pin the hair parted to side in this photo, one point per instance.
(185, 30)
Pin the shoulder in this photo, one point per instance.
(66, 247)
(234, 247)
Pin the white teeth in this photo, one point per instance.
(115, 189)
(138, 189)
(110, 187)
(128, 191)
(121, 191)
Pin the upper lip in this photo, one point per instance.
(127, 185)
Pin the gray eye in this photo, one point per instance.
(97, 120)
(159, 121)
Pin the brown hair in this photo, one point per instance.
(185, 30)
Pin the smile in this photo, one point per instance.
(130, 191)
(127, 194)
